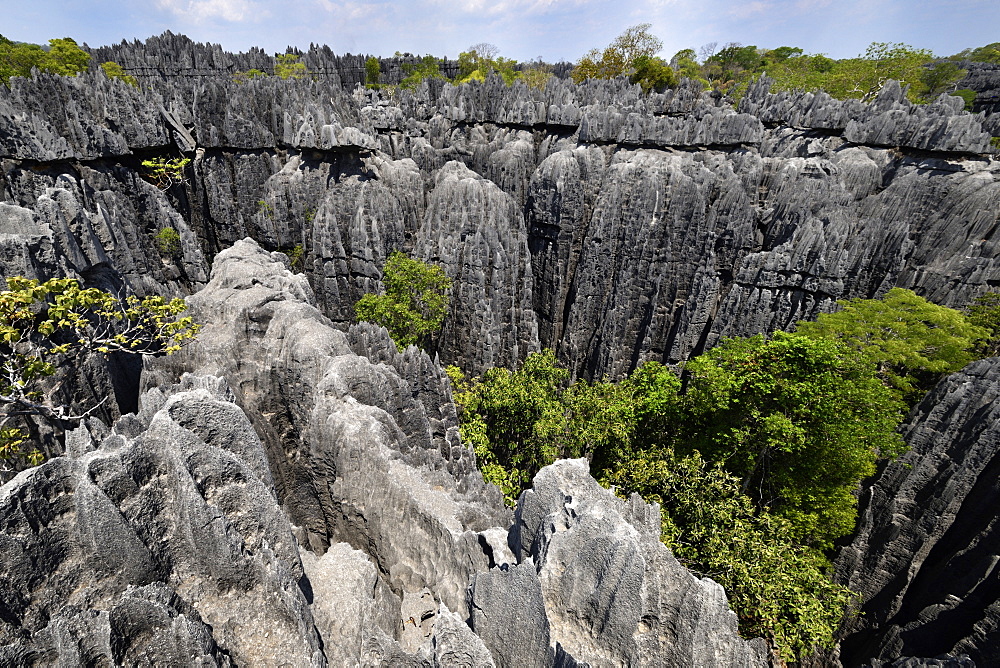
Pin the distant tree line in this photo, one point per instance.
(732, 67)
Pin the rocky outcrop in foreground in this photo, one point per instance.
(302, 499)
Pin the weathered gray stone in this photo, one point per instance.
(924, 555)
(154, 545)
(613, 593)
(340, 427)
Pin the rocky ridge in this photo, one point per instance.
(757, 216)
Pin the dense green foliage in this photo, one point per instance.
(631, 54)
(754, 451)
(799, 421)
(779, 589)
(243, 77)
(373, 71)
(414, 304)
(732, 68)
(427, 67)
(521, 420)
(168, 241)
(910, 340)
(289, 66)
(115, 71)
(984, 312)
(63, 56)
(984, 54)
(49, 327)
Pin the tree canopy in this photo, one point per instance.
(62, 56)
(799, 421)
(520, 420)
(754, 450)
(910, 340)
(414, 304)
(631, 54)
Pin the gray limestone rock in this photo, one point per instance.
(924, 555)
(508, 613)
(340, 427)
(613, 593)
(154, 543)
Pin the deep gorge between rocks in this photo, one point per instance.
(292, 490)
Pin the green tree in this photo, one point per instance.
(536, 74)
(165, 172)
(288, 66)
(864, 77)
(984, 312)
(984, 54)
(17, 59)
(427, 67)
(799, 421)
(732, 62)
(373, 71)
(910, 340)
(521, 420)
(620, 57)
(414, 304)
(48, 327)
(168, 242)
(481, 59)
(65, 57)
(939, 77)
(508, 416)
(685, 64)
(115, 71)
(652, 73)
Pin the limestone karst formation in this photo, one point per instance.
(291, 489)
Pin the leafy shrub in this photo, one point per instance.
(414, 304)
(779, 589)
(168, 241)
(288, 66)
(115, 71)
(243, 77)
(910, 340)
(165, 173)
(63, 56)
(427, 67)
(296, 257)
(984, 312)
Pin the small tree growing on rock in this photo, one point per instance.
(414, 304)
(50, 326)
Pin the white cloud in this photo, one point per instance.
(234, 11)
(749, 9)
(519, 8)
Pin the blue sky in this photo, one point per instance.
(522, 29)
